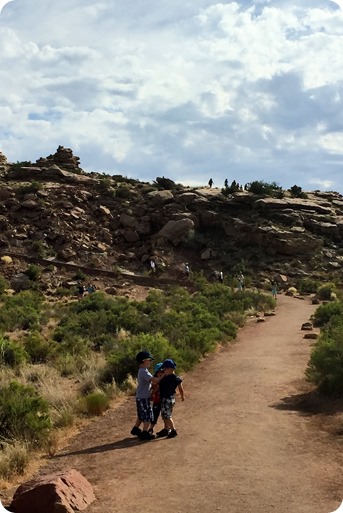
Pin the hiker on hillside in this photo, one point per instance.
(210, 182)
(81, 290)
(240, 280)
(274, 289)
(221, 277)
(152, 266)
(187, 270)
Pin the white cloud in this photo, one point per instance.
(223, 89)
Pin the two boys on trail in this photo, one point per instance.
(164, 383)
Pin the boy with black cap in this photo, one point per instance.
(168, 385)
(143, 393)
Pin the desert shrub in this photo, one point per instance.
(33, 272)
(23, 414)
(3, 285)
(12, 354)
(80, 275)
(165, 183)
(30, 188)
(14, 458)
(307, 285)
(325, 367)
(37, 348)
(122, 362)
(323, 313)
(297, 192)
(22, 311)
(65, 418)
(265, 188)
(97, 402)
(39, 248)
(324, 291)
(123, 192)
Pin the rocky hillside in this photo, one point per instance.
(53, 210)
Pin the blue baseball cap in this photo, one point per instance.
(158, 367)
(169, 364)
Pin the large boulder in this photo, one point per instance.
(63, 492)
(176, 231)
(160, 197)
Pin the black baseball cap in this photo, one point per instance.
(144, 355)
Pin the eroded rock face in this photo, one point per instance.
(65, 492)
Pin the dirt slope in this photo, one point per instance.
(241, 447)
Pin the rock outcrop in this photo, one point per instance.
(99, 220)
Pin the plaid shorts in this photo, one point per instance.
(144, 410)
(167, 405)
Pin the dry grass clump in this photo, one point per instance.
(14, 457)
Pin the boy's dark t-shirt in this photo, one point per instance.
(168, 385)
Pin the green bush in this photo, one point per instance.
(22, 311)
(37, 348)
(31, 188)
(3, 285)
(122, 361)
(324, 291)
(307, 285)
(323, 313)
(325, 367)
(33, 272)
(297, 192)
(97, 402)
(23, 414)
(264, 188)
(12, 354)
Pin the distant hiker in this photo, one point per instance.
(168, 385)
(91, 288)
(241, 280)
(226, 183)
(81, 290)
(210, 182)
(143, 393)
(187, 270)
(274, 289)
(155, 396)
(221, 277)
(152, 267)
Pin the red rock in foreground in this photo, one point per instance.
(65, 492)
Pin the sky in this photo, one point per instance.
(186, 89)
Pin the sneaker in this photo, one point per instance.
(172, 434)
(145, 435)
(163, 432)
(136, 431)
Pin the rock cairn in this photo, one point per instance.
(63, 158)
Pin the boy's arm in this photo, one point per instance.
(182, 393)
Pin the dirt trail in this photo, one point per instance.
(240, 448)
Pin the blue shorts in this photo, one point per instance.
(167, 405)
(144, 410)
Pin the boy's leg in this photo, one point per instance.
(136, 431)
(146, 416)
(166, 412)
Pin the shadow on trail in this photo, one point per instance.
(310, 403)
(126, 443)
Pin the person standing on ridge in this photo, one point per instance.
(210, 182)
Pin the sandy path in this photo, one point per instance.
(239, 449)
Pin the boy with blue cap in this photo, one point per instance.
(168, 385)
(143, 396)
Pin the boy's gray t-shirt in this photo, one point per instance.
(144, 384)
